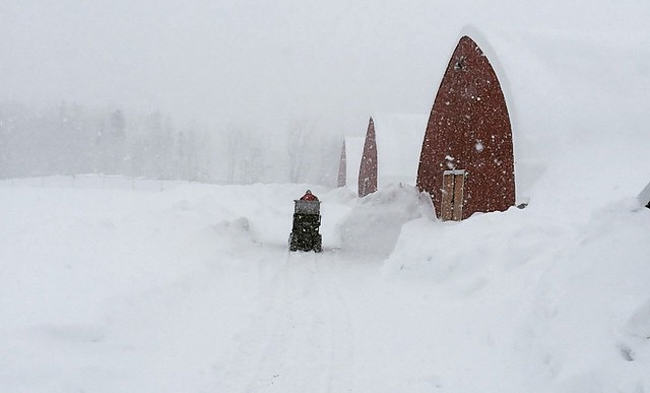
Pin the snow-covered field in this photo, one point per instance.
(134, 286)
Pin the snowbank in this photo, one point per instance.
(567, 304)
(373, 224)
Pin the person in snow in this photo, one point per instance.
(309, 196)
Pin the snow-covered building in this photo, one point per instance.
(368, 167)
(467, 160)
(391, 151)
(353, 149)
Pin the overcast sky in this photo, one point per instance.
(262, 62)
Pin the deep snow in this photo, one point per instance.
(118, 285)
(114, 285)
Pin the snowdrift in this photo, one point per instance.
(371, 227)
(564, 306)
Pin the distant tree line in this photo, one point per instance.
(71, 139)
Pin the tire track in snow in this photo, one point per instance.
(301, 337)
(342, 352)
(292, 359)
(278, 328)
(256, 338)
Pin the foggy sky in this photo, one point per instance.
(261, 63)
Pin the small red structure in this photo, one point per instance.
(467, 162)
(368, 167)
(391, 151)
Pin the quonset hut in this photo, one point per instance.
(467, 162)
(391, 151)
(368, 167)
(340, 180)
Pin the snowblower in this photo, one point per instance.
(306, 222)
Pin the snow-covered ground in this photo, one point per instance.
(114, 285)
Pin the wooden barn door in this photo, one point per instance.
(453, 183)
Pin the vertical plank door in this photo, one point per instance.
(447, 210)
(459, 185)
(453, 190)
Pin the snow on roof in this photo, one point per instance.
(558, 125)
(399, 142)
(353, 151)
(644, 196)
